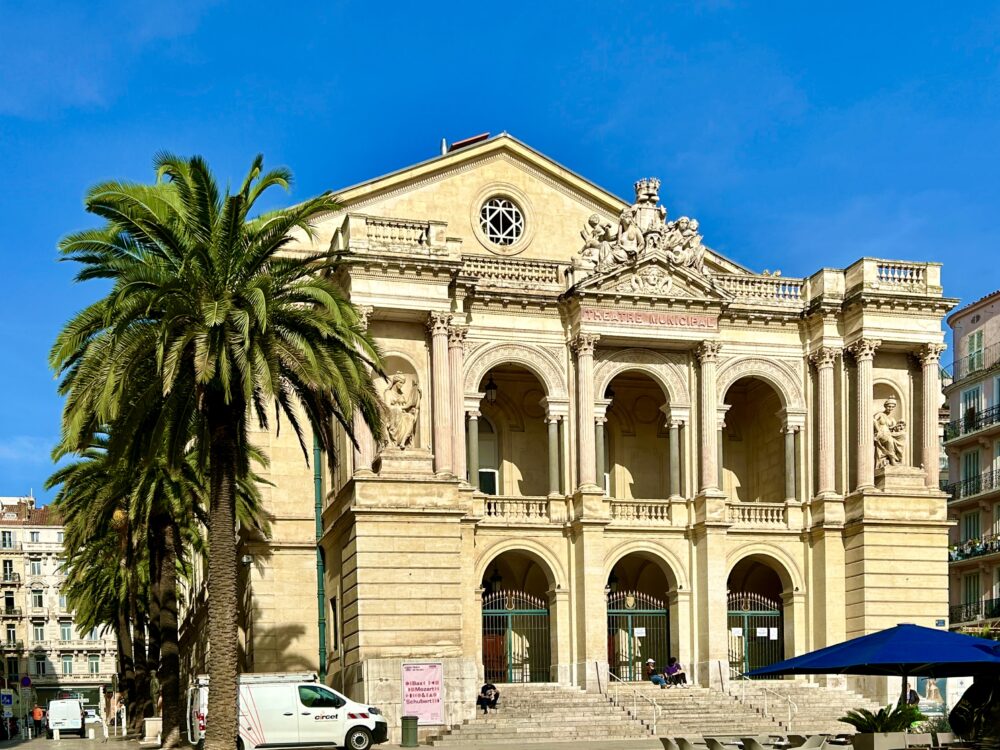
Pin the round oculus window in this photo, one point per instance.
(502, 221)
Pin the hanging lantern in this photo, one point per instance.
(491, 390)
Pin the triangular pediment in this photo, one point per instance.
(654, 275)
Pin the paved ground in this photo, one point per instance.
(78, 744)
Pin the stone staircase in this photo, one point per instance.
(818, 708)
(558, 713)
(545, 713)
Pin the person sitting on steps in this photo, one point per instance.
(653, 675)
(675, 672)
(488, 698)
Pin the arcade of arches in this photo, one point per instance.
(605, 443)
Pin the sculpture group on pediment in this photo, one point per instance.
(642, 228)
(401, 399)
(890, 436)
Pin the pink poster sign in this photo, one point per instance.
(423, 692)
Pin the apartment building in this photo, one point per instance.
(972, 442)
(38, 637)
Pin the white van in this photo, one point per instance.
(66, 715)
(290, 710)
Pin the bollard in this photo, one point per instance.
(409, 732)
(90, 733)
(55, 734)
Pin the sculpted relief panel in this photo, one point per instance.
(401, 399)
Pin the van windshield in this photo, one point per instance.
(313, 696)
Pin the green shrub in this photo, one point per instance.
(887, 719)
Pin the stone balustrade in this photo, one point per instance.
(513, 273)
(361, 233)
(641, 511)
(894, 277)
(517, 509)
(758, 515)
(767, 290)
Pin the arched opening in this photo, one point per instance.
(514, 456)
(517, 639)
(753, 449)
(637, 452)
(756, 619)
(638, 594)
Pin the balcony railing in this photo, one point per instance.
(11, 645)
(656, 512)
(987, 544)
(10, 611)
(975, 363)
(758, 515)
(518, 509)
(10, 578)
(972, 421)
(977, 485)
(975, 611)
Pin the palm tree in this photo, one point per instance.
(237, 322)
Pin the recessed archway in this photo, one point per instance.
(640, 589)
(636, 453)
(518, 642)
(760, 613)
(753, 448)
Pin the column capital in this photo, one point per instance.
(584, 343)
(456, 336)
(720, 413)
(930, 353)
(555, 409)
(791, 420)
(864, 349)
(825, 356)
(437, 322)
(676, 416)
(364, 313)
(473, 413)
(708, 351)
(472, 402)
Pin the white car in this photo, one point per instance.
(285, 710)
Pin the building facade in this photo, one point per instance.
(39, 638)
(604, 442)
(972, 442)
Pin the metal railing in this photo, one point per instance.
(987, 544)
(974, 420)
(11, 578)
(987, 481)
(616, 684)
(974, 611)
(793, 707)
(971, 364)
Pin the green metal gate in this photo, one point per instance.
(756, 632)
(638, 629)
(516, 644)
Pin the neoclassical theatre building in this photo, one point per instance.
(606, 442)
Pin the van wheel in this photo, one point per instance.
(358, 738)
(239, 743)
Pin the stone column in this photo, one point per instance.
(437, 324)
(599, 459)
(553, 427)
(456, 358)
(929, 357)
(790, 431)
(675, 458)
(824, 360)
(472, 430)
(864, 354)
(708, 355)
(364, 451)
(584, 346)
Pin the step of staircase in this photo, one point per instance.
(534, 713)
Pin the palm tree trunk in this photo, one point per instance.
(170, 660)
(223, 604)
(154, 541)
(126, 685)
(140, 702)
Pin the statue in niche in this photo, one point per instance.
(890, 436)
(402, 403)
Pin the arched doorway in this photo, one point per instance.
(756, 621)
(638, 593)
(635, 452)
(517, 640)
(753, 449)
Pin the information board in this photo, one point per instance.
(423, 692)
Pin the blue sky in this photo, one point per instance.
(799, 134)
